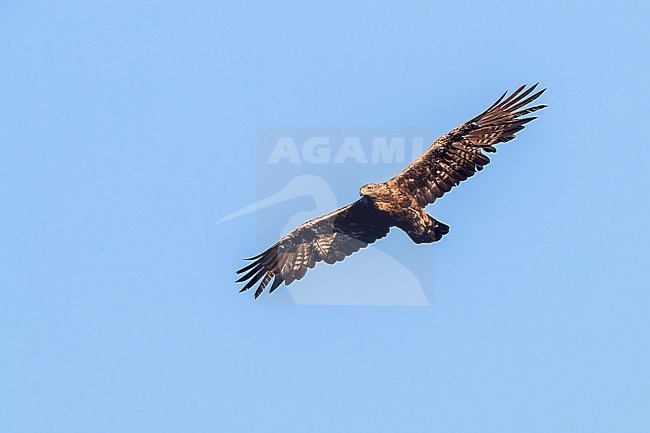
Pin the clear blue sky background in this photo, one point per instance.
(127, 130)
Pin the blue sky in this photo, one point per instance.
(128, 129)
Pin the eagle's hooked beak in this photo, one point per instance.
(366, 190)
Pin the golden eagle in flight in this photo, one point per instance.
(398, 202)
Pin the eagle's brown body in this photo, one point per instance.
(400, 208)
(398, 202)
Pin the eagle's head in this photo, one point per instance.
(369, 190)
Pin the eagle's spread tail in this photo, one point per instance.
(440, 229)
(432, 233)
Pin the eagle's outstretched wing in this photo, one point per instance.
(457, 155)
(330, 238)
